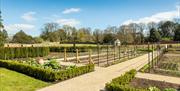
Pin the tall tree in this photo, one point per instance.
(142, 27)
(3, 32)
(48, 32)
(154, 35)
(177, 34)
(108, 38)
(62, 35)
(22, 37)
(98, 36)
(167, 29)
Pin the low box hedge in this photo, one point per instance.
(46, 74)
(122, 83)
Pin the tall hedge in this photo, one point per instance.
(72, 49)
(46, 74)
(23, 52)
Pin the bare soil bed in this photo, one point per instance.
(145, 83)
(169, 64)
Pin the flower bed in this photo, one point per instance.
(46, 74)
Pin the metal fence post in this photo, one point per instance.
(149, 58)
(27, 52)
(98, 54)
(107, 55)
(114, 53)
(125, 50)
(77, 56)
(128, 51)
(152, 56)
(119, 52)
(156, 55)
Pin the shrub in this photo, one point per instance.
(169, 89)
(22, 52)
(122, 83)
(53, 64)
(46, 74)
(125, 79)
(153, 89)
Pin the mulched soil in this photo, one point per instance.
(145, 83)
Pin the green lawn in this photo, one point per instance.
(14, 81)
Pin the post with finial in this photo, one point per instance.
(65, 55)
(90, 58)
(77, 56)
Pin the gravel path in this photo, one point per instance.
(169, 79)
(95, 81)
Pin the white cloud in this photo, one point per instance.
(29, 16)
(71, 10)
(70, 22)
(163, 16)
(13, 28)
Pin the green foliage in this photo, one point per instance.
(38, 40)
(23, 52)
(125, 79)
(169, 89)
(169, 66)
(108, 38)
(153, 89)
(15, 81)
(72, 49)
(22, 37)
(71, 67)
(154, 35)
(3, 37)
(118, 87)
(48, 33)
(53, 64)
(177, 34)
(46, 74)
(122, 83)
(167, 28)
(143, 69)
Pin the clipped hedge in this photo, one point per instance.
(122, 83)
(46, 74)
(73, 49)
(23, 52)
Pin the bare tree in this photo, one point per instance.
(98, 36)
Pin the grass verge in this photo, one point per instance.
(14, 81)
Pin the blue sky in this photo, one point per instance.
(30, 15)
